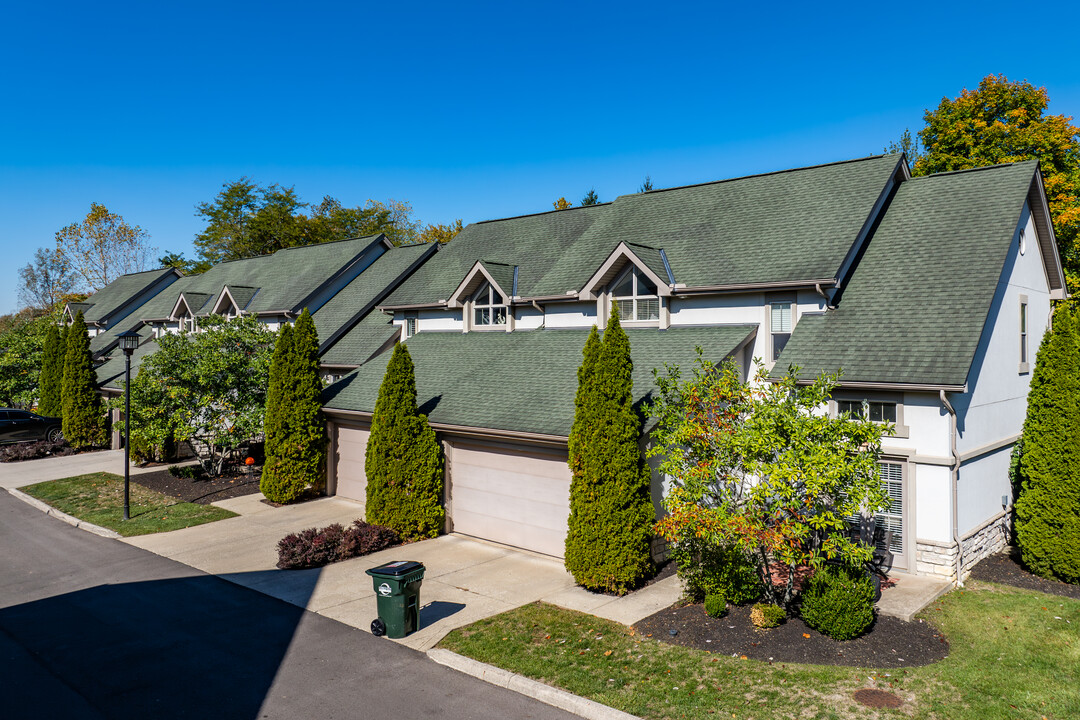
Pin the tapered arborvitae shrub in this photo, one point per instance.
(52, 375)
(404, 463)
(279, 368)
(1048, 506)
(611, 511)
(82, 414)
(296, 454)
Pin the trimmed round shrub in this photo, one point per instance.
(715, 605)
(767, 615)
(839, 602)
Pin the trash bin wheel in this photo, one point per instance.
(378, 627)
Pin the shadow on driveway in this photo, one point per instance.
(188, 647)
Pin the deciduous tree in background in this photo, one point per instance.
(609, 532)
(295, 429)
(103, 247)
(404, 463)
(45, 281)
(1048, 505)
(22, 340)
(247, 220)
(1002, 122)
(909, 145)
(441, 233)
(82, 412)
(562, 204)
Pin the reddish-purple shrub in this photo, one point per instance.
(314, 548)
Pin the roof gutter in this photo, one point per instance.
(742, 287)
(465, 430)
(900, 387)
(954, 479)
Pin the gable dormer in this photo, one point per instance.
(73, 309)
(635, 280)
(233, 299)
(187, 308)
(485, 296)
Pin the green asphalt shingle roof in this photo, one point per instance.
(113, 296)
(521, 381)
(915, 307)
(789, 226)
(283, 280)
(372, 330)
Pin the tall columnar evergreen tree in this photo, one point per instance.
(611, 512)
(296, 432)
(279, 368)
(82, 414)
(1048, 506)
(404, 464)
(52, 374)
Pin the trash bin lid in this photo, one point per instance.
(398, 567)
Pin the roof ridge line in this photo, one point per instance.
(544, 212)
(764, 174)
(995, 166)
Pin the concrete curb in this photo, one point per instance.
(561, 699)
(69, 519)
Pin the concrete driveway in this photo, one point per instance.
(466, 579)
(28, 472)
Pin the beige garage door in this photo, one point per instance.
(515, 495)
(350, 446)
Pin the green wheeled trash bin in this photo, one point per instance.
(397, 591)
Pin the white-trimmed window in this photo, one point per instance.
(875, 411)
(1023, 332)
(410, 327)
(635, 297)
(185, 322)
(488, 307)
(779, 326)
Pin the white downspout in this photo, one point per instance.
(954, 477)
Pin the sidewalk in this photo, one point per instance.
(28, 472)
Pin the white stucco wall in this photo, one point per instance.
(569, 315)
(928, 428)
(933, 503)
(439, 320)
(527, 318)
(981, 484)
(994, 408)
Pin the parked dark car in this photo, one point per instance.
(25, 426)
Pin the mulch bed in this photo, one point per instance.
(890, 643)
(1006, 568)
(201, 491)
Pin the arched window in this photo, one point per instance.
(488, 307)
(635, 297)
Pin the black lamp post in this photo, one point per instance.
(129, 341)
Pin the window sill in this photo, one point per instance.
(1024, 369)
(488, 328)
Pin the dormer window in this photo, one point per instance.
(635, 297)
(489, 309)
(186, 322)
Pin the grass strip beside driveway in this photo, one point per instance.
(98, 498)
(1015, 654)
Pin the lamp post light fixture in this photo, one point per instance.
(129, 341)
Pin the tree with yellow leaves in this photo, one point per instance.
(1003, 122)
(102, 248)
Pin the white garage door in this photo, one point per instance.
(515, 495)
(350, 447)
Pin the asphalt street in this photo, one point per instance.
(94, 628)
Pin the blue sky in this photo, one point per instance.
(470, 110)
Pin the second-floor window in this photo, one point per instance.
(1023, 332)
(488, 307)
(779, 326)
(635, 297)
(410, 327)
(874, 411)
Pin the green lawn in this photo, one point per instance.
(98, 498)
(1010, 658)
